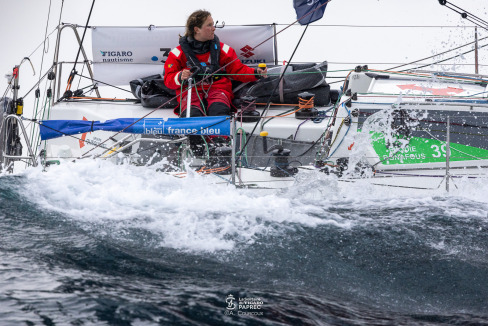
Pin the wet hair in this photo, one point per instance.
(196, 19)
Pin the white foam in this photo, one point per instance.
(195, 214)
(189, 213)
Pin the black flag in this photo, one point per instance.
(303, 7)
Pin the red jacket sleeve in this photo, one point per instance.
(173, 67)
(236, 68)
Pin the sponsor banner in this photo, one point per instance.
(183, 126)
(50, 129)
(122, 54)
(423, 150)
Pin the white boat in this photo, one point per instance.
(415, 129)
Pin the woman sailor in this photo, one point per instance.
(201, 53)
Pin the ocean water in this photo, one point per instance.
(94, 243)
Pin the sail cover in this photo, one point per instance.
(173, 126)
(309, 11)
(122, 54)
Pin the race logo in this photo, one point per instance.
(230, 302)
(248, 306)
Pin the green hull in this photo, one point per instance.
(423, 150)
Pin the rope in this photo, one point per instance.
(279, 81)
(220, 69)
(101, 82)
(338, 131)
(304, 104)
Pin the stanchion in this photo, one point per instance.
(448, 153)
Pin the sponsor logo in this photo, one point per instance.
(246, 51)
(117, 56)
(248, 61)
(165, 53)
(181, 131)
(116, 53)
(154, 58)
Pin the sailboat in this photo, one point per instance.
(415, 129)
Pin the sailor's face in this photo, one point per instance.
(206, 32)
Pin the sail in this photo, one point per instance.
(309, 11)
(173, 126)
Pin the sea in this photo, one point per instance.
(94, 243)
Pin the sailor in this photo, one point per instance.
(201, 54)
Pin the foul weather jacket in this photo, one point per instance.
(177, 61)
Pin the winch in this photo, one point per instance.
(306, 106)
(281, 166)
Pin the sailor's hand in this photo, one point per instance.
(185, 74)
(263, 72)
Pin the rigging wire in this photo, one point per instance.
(465, 14)
(73, 71)
(443, 60)
(45, 38)
(384, 26)
(101, 82)
(42, 42)
(217, 71)
(432, 56)
(263, 113)
(36, 105)
(37, 84)
(61, 12)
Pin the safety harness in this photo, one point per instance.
(202, 69)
